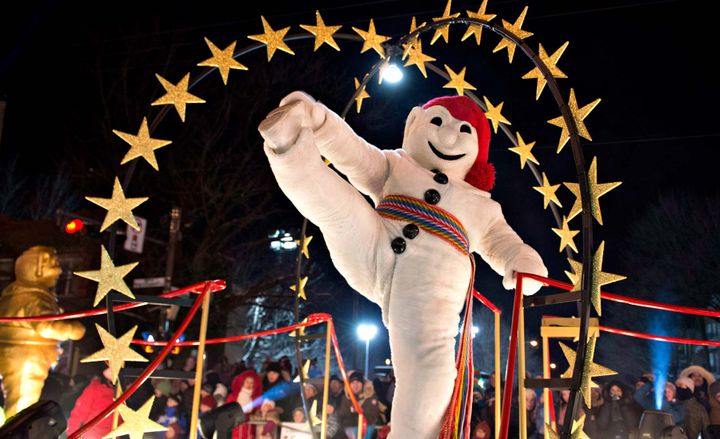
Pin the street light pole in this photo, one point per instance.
(367, 332)
(367, 355)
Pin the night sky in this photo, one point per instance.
(650, 62)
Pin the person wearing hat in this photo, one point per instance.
(364, 393)
(409, 254)
(173, 414)
(695, 417)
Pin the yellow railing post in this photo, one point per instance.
(326, 380)
(199, 367)
(546, 391)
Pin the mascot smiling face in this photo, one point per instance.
(452, 135)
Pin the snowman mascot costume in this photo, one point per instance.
(409, 254)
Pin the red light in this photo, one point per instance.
(74, 226)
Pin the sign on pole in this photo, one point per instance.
(134, 239)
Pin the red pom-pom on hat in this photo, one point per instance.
(482, 173)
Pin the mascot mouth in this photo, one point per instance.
(444, 156)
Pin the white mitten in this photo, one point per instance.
(314, 111)
(281, 127)
(530, 286)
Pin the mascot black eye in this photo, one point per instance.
(465, 128)
(436, 121)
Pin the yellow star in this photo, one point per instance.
(300, 331)
(598, 277)
(476, 29)
(142, 145)
(576, 432)
(305, 370)
(548, 192)
(412, 41)
(136, 423)
(494, 115)
(313, 414)
(567, 236)
(457, 81)
(524, 150)
(579, 114)
(301, 294)
(551, 63)
(304, 247)
(118, 207)
(515, 28)
(273, 39)
(116, 351)
(177, 95)
(362, 95)
(222, 59)
(416, 57)
(597, 190)
(574, 275)
(323, 33)
(109, 277)
(590, 369)
(371, 40)
(444, 30)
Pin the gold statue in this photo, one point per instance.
(29, 349)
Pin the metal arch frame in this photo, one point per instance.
(574, 144)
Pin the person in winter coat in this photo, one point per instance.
(173, 414)
(695, 418)
(410, 253)
(270, 415)
(368, 401)
(702, 379)
(714, 394)
(645, 396)
(246, 390)
(619, 416)
(98, 394)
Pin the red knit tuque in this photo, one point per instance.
(482, 173)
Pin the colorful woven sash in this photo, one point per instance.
(456, 422)
(432, 219)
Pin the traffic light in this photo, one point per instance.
(74, 226)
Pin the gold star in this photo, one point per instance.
(313, 414)
(590, 369)
(524, 150)
(515, 28)
(300, 331)
(548, 192)
(118, 207)
(576, 432)
(598, 277)
(579, 114)
(304, 247)
(551, 63)
(476, 29)
(444, 30)
(273, 39)
(142, 145)
(136, 423)
(597, 190)
(372, 40)
(305, 370)
(301, 294)
(457, 81)
(323, 33)
(109, 277)
(412, 41)
(362, 95)
(416, 57)
(222, 59)
(567, 236)
(494, 115)
(116, 351)
(177, 95)
(574, 275)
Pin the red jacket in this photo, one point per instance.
(246, 431)
(92, 401)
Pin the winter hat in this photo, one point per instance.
(209, 401)
(221, 390)
(688, 382)
(273, 366)
(481, 174)
(356, 376)
(335, 378)
(164, 387)
(176, 397)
